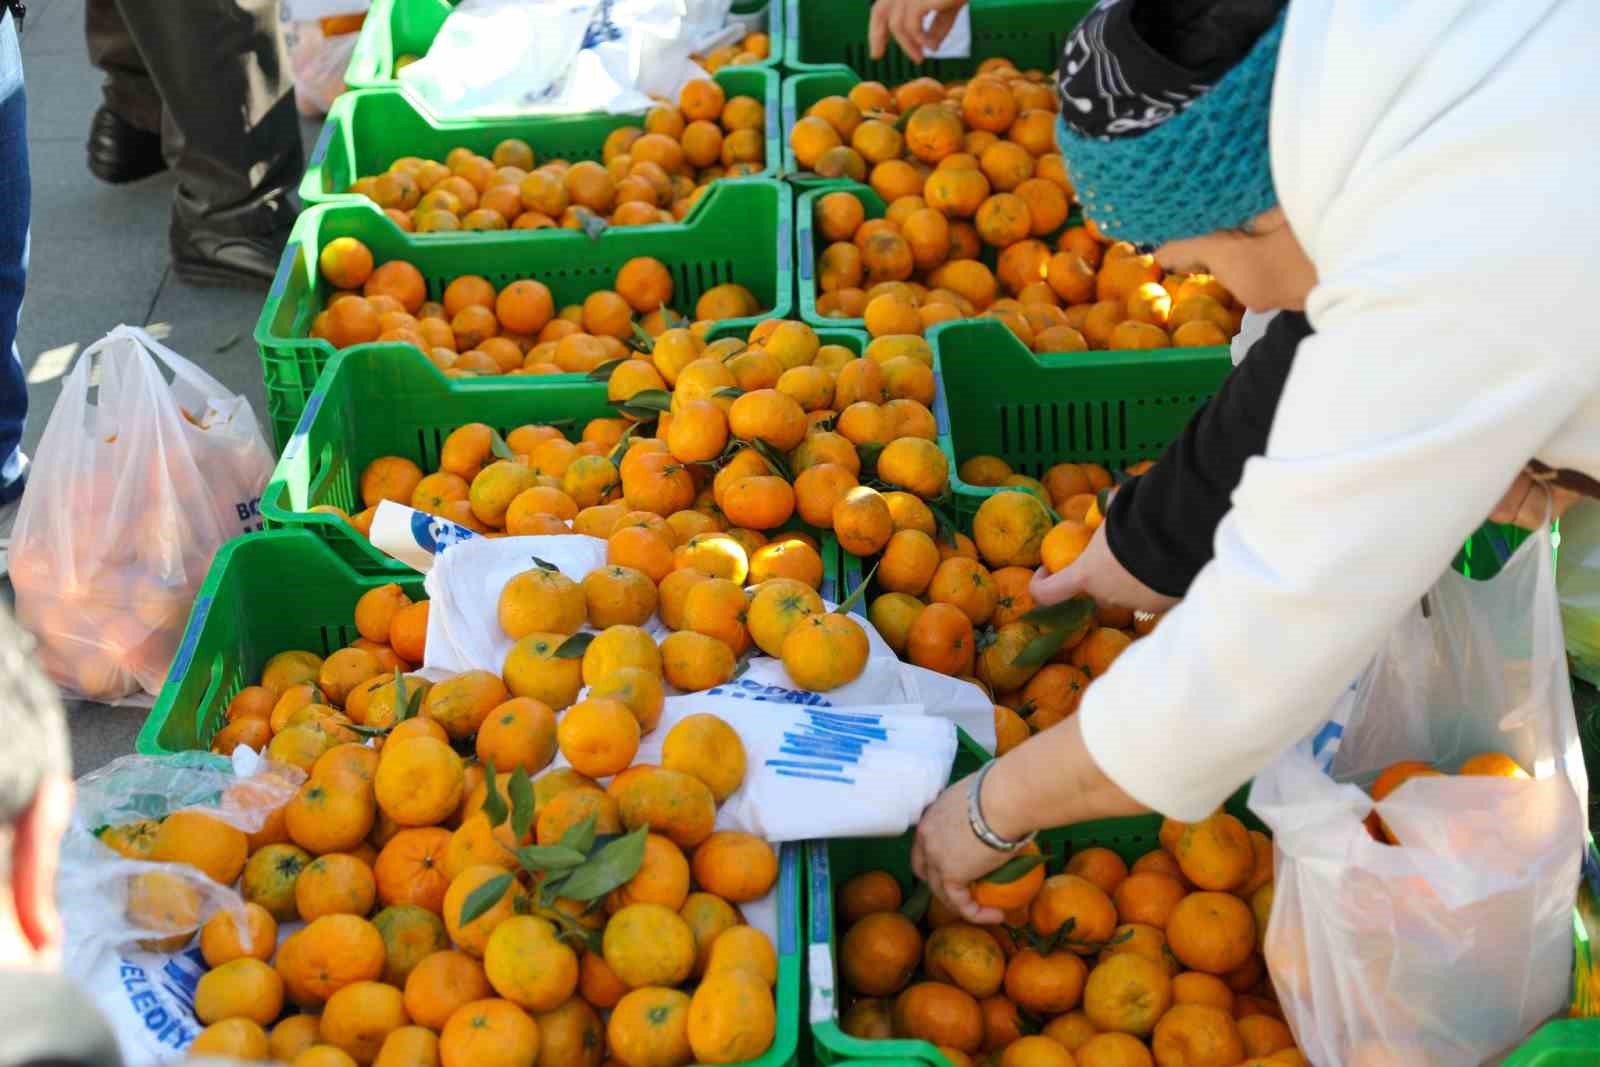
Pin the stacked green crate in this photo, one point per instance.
(741, 234)
(368, 129)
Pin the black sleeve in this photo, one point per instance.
(1161, 525)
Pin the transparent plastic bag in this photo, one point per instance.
(510, 57)
(1578, 581)
(1453, 946)
(136, 483)
(128, 921)
(317, 62)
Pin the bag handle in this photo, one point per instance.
(1548, 645)
(180, 366)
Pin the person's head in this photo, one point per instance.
(1163, 129)
(35, 804)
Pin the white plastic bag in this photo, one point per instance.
(1578, 582)
(317, 63)
(464, 633)
(1452, 947)
(136, 483)
(516, 57)
(116, 909)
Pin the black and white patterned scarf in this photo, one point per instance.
(1131, 65)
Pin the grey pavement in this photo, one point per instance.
(99, 258)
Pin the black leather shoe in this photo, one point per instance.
(215, 259)
(121, 153)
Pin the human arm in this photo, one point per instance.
(1051, 771)
(903, 19)
(1440, 364)
(1160, 526)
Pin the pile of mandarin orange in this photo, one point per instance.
(971, 167)
(646, 174)
(1157, 964)
(751, 48)
(436, 929)
(473, 329)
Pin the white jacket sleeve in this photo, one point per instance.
(1454, 341)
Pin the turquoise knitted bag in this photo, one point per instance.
(1205, 169)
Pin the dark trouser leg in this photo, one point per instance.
(14, 209)
(224, 80)
(129, 93)
(125, 133)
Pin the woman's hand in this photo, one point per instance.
(1530, 505)
(903, 19)
(1098, 574)
(948, 855)
(1049, 780)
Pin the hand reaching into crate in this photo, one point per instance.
(905, 18)
(1098, 574)
(1050, 782)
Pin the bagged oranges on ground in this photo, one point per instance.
(136, 485)
(1099, 963)
(646, 174)
(476, 329)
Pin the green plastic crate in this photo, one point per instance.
(799, 92)
(395, 28)
(740, 234)
(1564, 1043)
(374, 401)
(830, 862)
(368, 129)
(1030, 33)
(265, 593)
(995, 397)
(809, 244)
(233, 631)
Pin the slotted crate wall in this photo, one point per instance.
(995, 397)
(741, 234)
(368, 129)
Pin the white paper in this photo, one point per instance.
(958, 42)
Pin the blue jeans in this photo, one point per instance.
(14, 209)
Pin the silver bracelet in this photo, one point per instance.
(980, 825)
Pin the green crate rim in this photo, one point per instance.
(792, 171)
(202, 622)
(340, 116)
(372, 63)
(996, 335)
